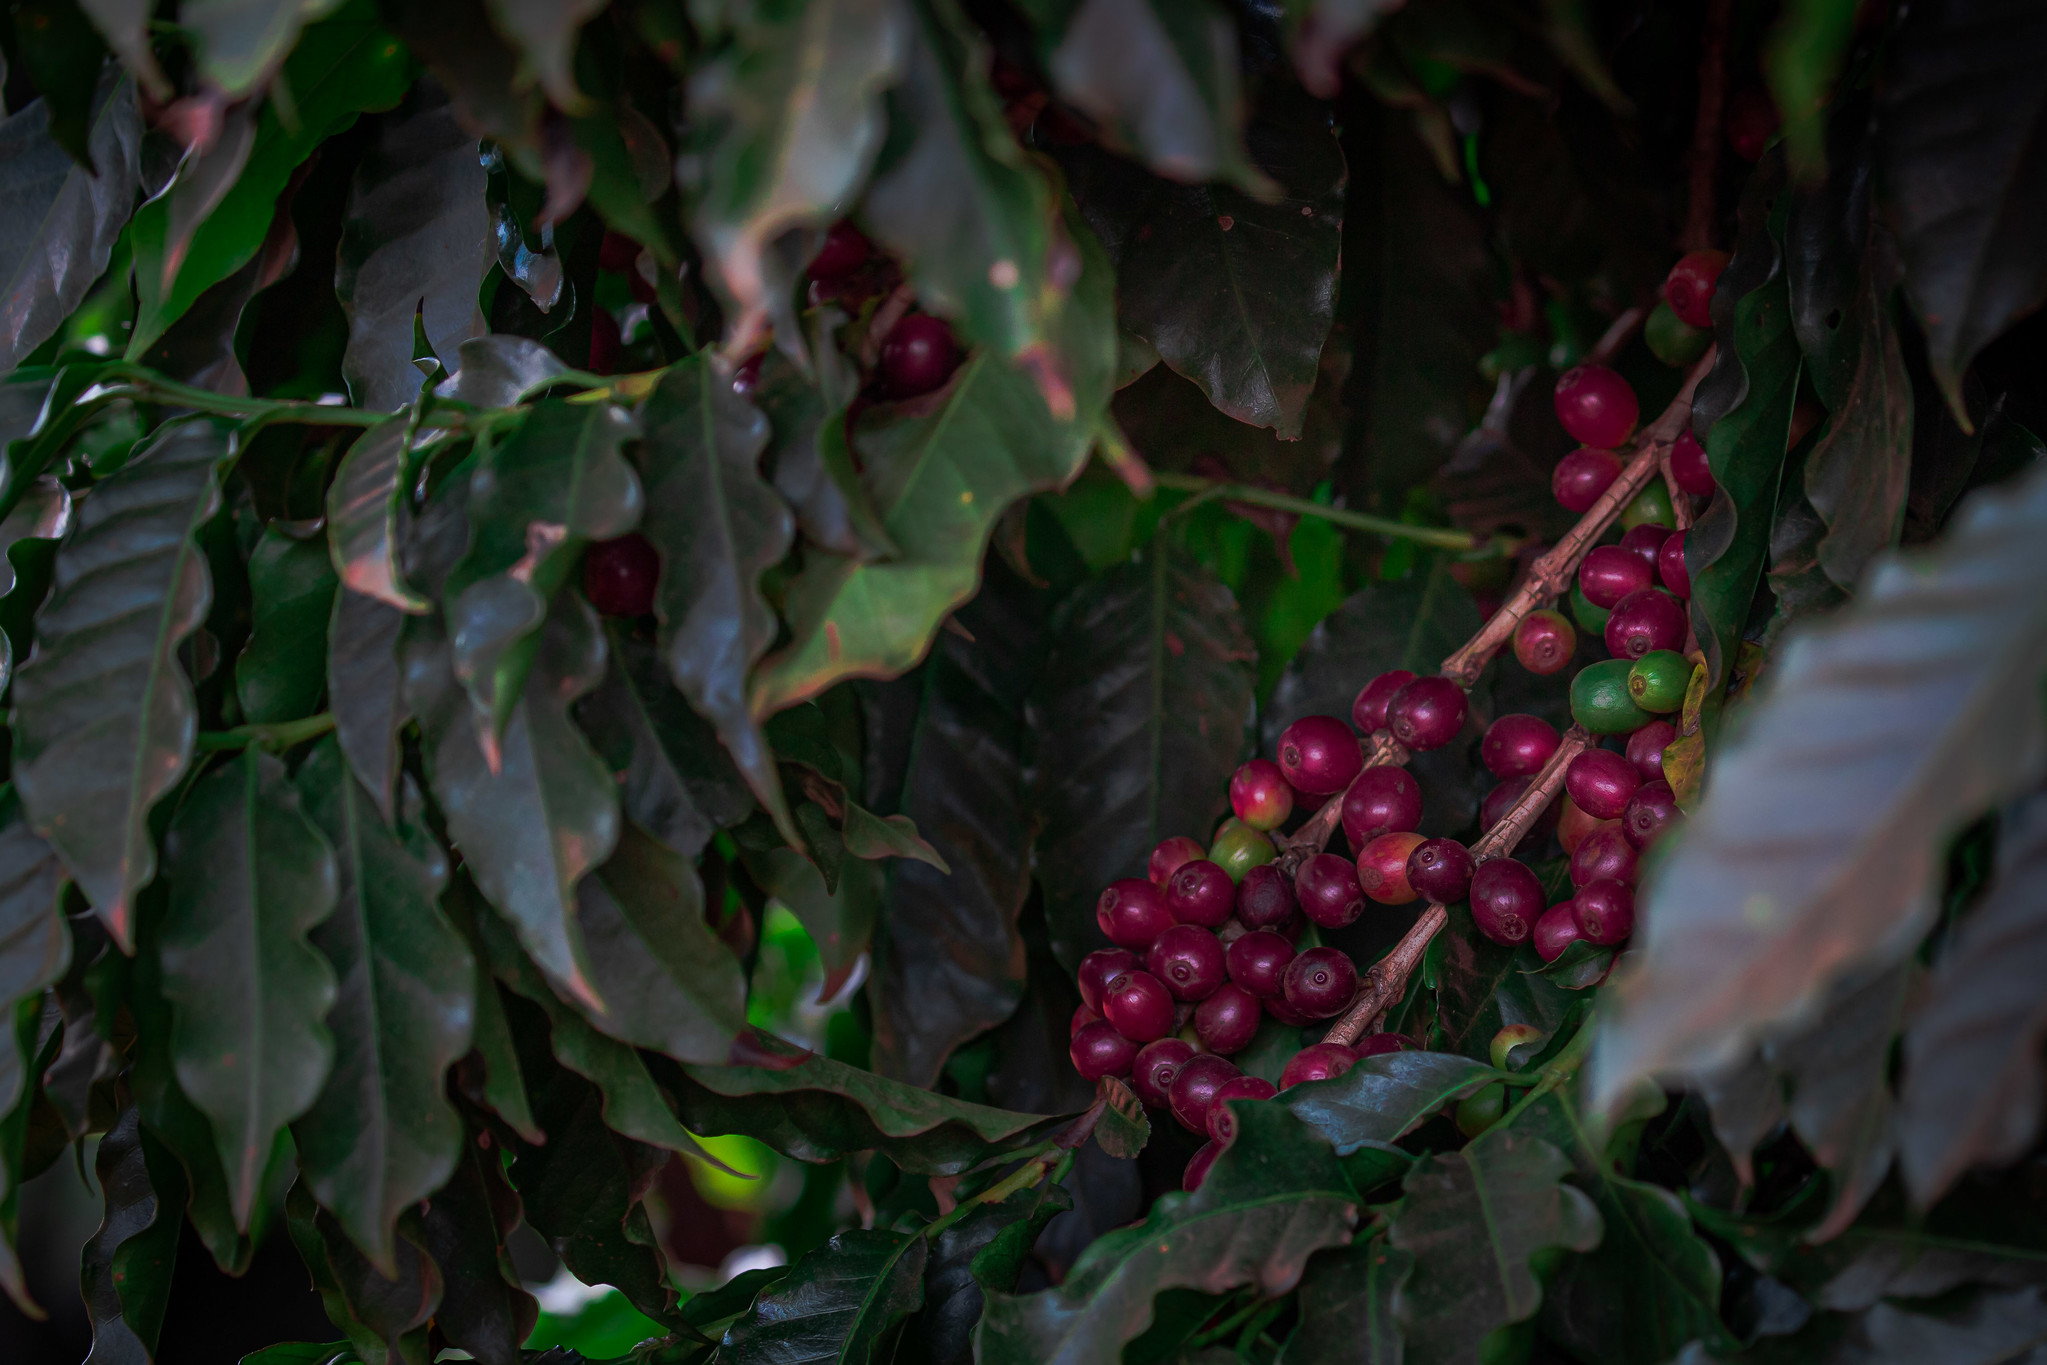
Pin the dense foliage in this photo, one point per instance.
(594, 593)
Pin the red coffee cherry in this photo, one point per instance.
(1227, 1021)
(1380, 1044)
(1139, 1006)
(619, 575)
(1200, 892)
(617, 253)
(1517, 745)
(845, 250)
(1506, 900)
(1689, 286)
(1098, 968)
(1099, 1050)
(1440, 870)
(1082, 1017)
(1382, 867)
(1279, 1009)
(1581, 476)
(1605, 911)
(1171, 855)
(1260, 795)
(1257, 960)
(919, 355)
(1596, 406)
(1645, 540)
(1644, 621)
(1317, 1062)
(1610, 573)
(1574, 824)
(1554, 932)
(1381, 801)
(1545, 642)
(1671, 567)
(1600, 782)
(1645, 748)
(1689, 467)
(1265, 899)
(1222, 1124)
(605, 341)
(1427, 713)
(1319, 755)
(1368, 712)
(1327, 888)
(1157, 1067)
(1605, 852)
(1194, 1089)
(1502, 799)
(1132, 913)
(1320, 982)
(1197, 1166)
(1650, 811)
(1189, 959)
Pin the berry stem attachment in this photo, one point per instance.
(1312, 837)
(1386, 981)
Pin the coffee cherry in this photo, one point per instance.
(1574, 824)
(1427, 713)
(1228, 1020)
(1554, 932)
(1605, 910)
(605, 341)
(619, 575)
(1600, 783)
(1600, 700)
(1440, 870)
(1319, 755)
(1611, 573)
(1650, 507)
(1098, 968)
(1200, 893)
(1260, 796)
(1320, 982)
(1544, 642)
(1671, 569)
(1317, 1062)
(1506, 900)
(1258, 960)
(1476, 1113)
(1380, 1044)
(1139, 1005)
(1581, 476)
(1645, 541)
(1327, 888)
(1643, 621)
(919, 355)
(1517, 745)
(1588, 617)
(1514, 1036)
(1646, 745)
(1689, 467)
(1194, 1088)
(1751, 122)
(1082, 1017)
(1133, 913)
(1188, 959)
(1659, 680)
(1222, 1124)
(845, 250)
(1170, 855)
(617, 252)
(1650, 811)
(1605, 852)
(1382, 800)
(1689, 286)
(1671, 339)
(1502, 799)
(1265, 898)
(1368, 712)
(1279, 1009)
(1382, 867)
(1238, 848)
(1197, 1166)
(1099, 1050)
(1156, 1068)
(1596, 406)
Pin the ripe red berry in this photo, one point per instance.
(1610, 573)
(1517, 745)
(1554, 932)
(1645, 748)
(1605, 911)
(1260, 796)
(1545, 641)
(1132, 913)
(1581, 476)
(1503, 798)
(617, 252)
(1317, 1062)
(1382, 800)
(1265, 899)
(1257, 960)
(1368, 712)
(1650, 811)
(845, 250)
(1382, 867)
(1228, 1020)
(1643, 621)
(1751, 122)
(1082, 1017)
(1170, 855)
(1440, 870)
(1506, 900)
(1596, 406)
(1222, 1124)
(1689, 467)
(1099, 1050)
(1157, 1067)
(1574, 824)
(1600, 782)
(1319, 755)
(1197, 1166)
(619, 575)
(1320, 982)
(1139, 1005)
(1690, 284)
(1194, 1088)
(1605, 852)
(1671, 567)
(1327, 888)
(1200, 892)
(918, 356)
(1189, 959)
(1645, 540)
(605, 340)
(1381, 1044)
(1427, 713)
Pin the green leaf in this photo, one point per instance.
(837, 1303)
(1876, 734)
(241, 42)
(874, 837)
(365, 690)
(35, 944)
(1123, 1130)
(125, 1275)
(283, 669)
(36, 1043)
(986, 1249)
(416, 243)
(545, 32)
(385, 1317)
(341, 69)
(249, 876)
(124, 24)
(484, 1310)
(1138, 723)
(364, 504)
(58, 220)
(500, 370)
(1580, 967)
(1473, 1220)
(103, 717)
(839, 919)
(535, 501)
(382, 1135)
(718, 526)
(1270, 1201)
(1348, 1301)
(1481, 988)
(1382, 1098)
(63, 56)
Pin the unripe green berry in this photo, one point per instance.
(1511, 1037)
(1238, 848)
(1482, 1110)
(1600, 700)
(1651, 507)
(1671, 339)
(1590, 619)
(1658, 680)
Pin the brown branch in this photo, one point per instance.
(1618, 334)
(1703, 160)
(1313, 837)
(1680, 501)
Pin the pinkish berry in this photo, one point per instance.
(1139, 1006)
(1643, 621)
(1132, 913)
(1605, 852)
(1427, 713)
(1200, 893)
(1689, 466)
(1440, 870)
(1506, 900)
(1082, 1017)
(1317, 1062)
(1171, 855)
(1382, 867)
(1605, 910)
(1517, 745)
(1222, 1124)
(1380, 1044)
(1610, 573)
(1503, 798)
(1581, 476)
(1319, 755)
(1671, 567)
(1197, 1166)
(1596, 406)
(1645, 540)
(1327, 888)
(1645, 748)
(1189, 959)
(1650, 811)
(1320, 982)
(1554, 932)
(1227, 1021)
(1157, 1067)
(1265, 899)
(1099, 1050)
(1601, 782)
(1382, 801)
(1260, 796)
(1096, 970)
(1368, 712)
(1258, 960)
(1194, 1089)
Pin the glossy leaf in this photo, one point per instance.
(986, 1249)
(1348, 1302)
(1382, 1098)
(545, 33)
(1137, 723)
(283, 669)
(1270, 1201)
(249, 876)
(500, 370)
(363, 507)
(365, 690)
(241, 42)
(484, 1310)
(1580, 967)
(839, 918)
(1876, 733)
(416, 242)
(837, 1303)
(58, 220)
(385, 1317)
(125, 1276)
(103, 721)
(56, 45)
(382, 1136)
(1481, 988)
(35, 944)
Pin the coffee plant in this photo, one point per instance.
(1025, 681)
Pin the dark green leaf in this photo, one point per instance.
(365, 689)
(249, 876)
(1481, 988)
(483, 1311)
(125, 26)
(36, 1041)
(837, 1303)
(125, 1273)
(811, 457)
(1580, 967)
(240, 42)
(498, 371)
(416, 243)
(840, 920)
(60, 221)
(385, 1317)
(283, 668)
(1381, 1098)
(303, 1353)
(1273, 1199)
(382, 1136)
(491, 1076)
(28, 550)
(35, 945)
(545, 33)
(984, 1250)
(103, 717)
(1138, 722)
(56, 43)
(1123, 1130)
(1348, 1300)
(460, 46)
(364, 504)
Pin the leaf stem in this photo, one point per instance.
(1555, 1072)
(274, 736)
(1442, 537)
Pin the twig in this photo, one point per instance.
(1680, 501)
(1618, 334)
(1439, 536)
(1703, 161)
(1312, 837)
(884, 321)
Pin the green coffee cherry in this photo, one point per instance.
(1590, 619)
(1482, 1110)
(1672, 340)
(1658, 680)
(1600, 700)
(1511, 1037)
(1651, 507)
(1238, 848)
